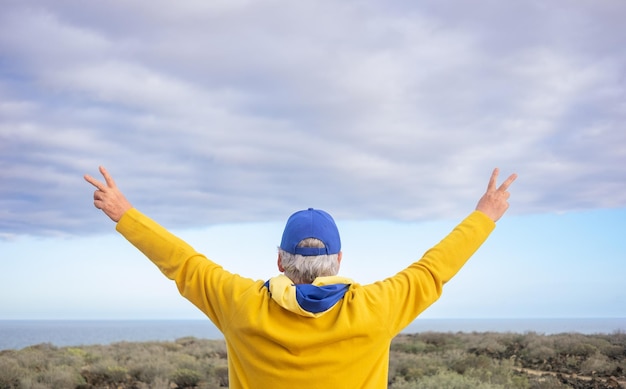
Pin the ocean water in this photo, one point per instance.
(17, 334)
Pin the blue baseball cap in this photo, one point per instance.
(311, 223)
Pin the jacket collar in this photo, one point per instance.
(310, 300)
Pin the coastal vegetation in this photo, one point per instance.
(425, 360)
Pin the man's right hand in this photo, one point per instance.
(108, 197)
(494, 202)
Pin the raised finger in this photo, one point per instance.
(107, 177)
(493, 180)
(94, 182)
(505, 185)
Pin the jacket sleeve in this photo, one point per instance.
(401, 298)
(207, 285)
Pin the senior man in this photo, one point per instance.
(307, 327)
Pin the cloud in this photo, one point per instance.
(240, 111)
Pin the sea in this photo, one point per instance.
(18, 334)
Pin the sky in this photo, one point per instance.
(219, 119)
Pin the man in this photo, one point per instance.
(307, 328)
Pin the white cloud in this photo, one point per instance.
(241, 111)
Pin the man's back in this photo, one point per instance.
(271, 345)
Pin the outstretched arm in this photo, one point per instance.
(494, 202)
(108, 197)
(404, 296)
(203, 282)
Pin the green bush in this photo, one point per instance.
(147, 373)
(427, 360)
(445, 379)
(410, 348)
(186, 378)
(105, 374)
(410, 367)
(489, 344)
(470, 361)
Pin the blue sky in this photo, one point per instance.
(219, 119)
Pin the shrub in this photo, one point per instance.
(61, 377)
(221, 373)
(438, 341)
(410, 367)
(146, 373)
(33, 358)
(470, 361)
(10, 373)
(513, 343)
(415, 347)
(104, 374)
(485, 344)
(499, 373)
(574, 345)
(597, 364)
(445, 379)
(148, 362)
(203, 348)
(185, 361)
(541, 353)
(186, 378)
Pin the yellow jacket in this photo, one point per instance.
(270, 345)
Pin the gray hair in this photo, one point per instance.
(305, 269)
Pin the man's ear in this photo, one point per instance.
(339, 256)
(279, 262)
